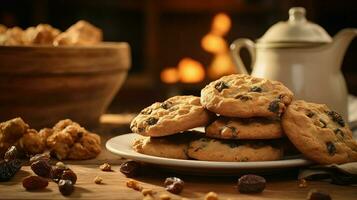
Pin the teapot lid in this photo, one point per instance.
(297, 31)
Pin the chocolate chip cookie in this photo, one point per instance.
(172, 146)
(245, 128)
(319, 133)
(234, 150)
(244, 96)
(172, 116)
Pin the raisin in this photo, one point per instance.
(322, 123)
(65, 187)
(220, 86)
(274, 106)
(243, 97)
(166, 105)
(34, 183)
(69, 175)
(9, 168)
(174, 185)
(152, 121)
(317, 195)
(56, 173)
(338, 131)
(331, 149)
(310, 114)
(11, 154)
(256, 89)
(37, 157)
(336, 118)
(130, 169)
(42, 168)
(251, 184)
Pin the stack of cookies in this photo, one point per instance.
(245, 119)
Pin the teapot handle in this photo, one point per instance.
(236, 46)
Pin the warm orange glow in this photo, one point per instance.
(221, 24)
(169, 75)
(221, 65)
(214, 44)
(191, 71)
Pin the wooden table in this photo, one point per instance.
(114, 183)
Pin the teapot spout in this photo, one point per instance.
(340, 44)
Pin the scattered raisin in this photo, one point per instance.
(336, 118)
(34, 183)
(9, 168)
(220, 86)
(69, 175)
(56, 173)
(42, 168)
(166, 105)
(274, 106)
(65, 187)
(152, 121)
(11, 154)
(243, 97)
(338, 131)
(256, 89)
(106, 167)
(251, 184)
(331, 149)
(130, 169)
(174, 185)
(317, 195)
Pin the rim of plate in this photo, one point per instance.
(121, 145)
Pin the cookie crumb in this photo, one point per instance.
(61, 165)
(134, 185)
(211, 196)
(165, 197)
(148, 197)
(146, 192)
(106, 167)
(302, 183)
(98, 180)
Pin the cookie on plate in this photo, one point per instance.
(244, 96)
(176, 114)
(210, 149)
(245, 128)
(172, 146)
(319, 133)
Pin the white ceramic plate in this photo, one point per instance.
(121, 145)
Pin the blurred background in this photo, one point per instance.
(173, 39)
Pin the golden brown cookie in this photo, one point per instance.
(319, 133)
(176, 114)
(173, 146)
(71, 141)
(240, 95)
(33, 142)
(41, 34)
(245, 128)
(10, 132)
(234, 150)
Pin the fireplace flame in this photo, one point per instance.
(170, 75)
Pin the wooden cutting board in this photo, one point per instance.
(114, 186)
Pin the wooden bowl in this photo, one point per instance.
(44, 84)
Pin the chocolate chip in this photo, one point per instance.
(323, 124)
(166, 105)
(310, 114)
(243, 97)
(146, 111)
(152, 121)
(331, 149)
(256, 89)
(221, 86)
(42, 168)
(130, 169)
(336, 118)
(274, 106)
(251, 184)
(338, 131)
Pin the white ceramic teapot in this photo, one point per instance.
(303, 56)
